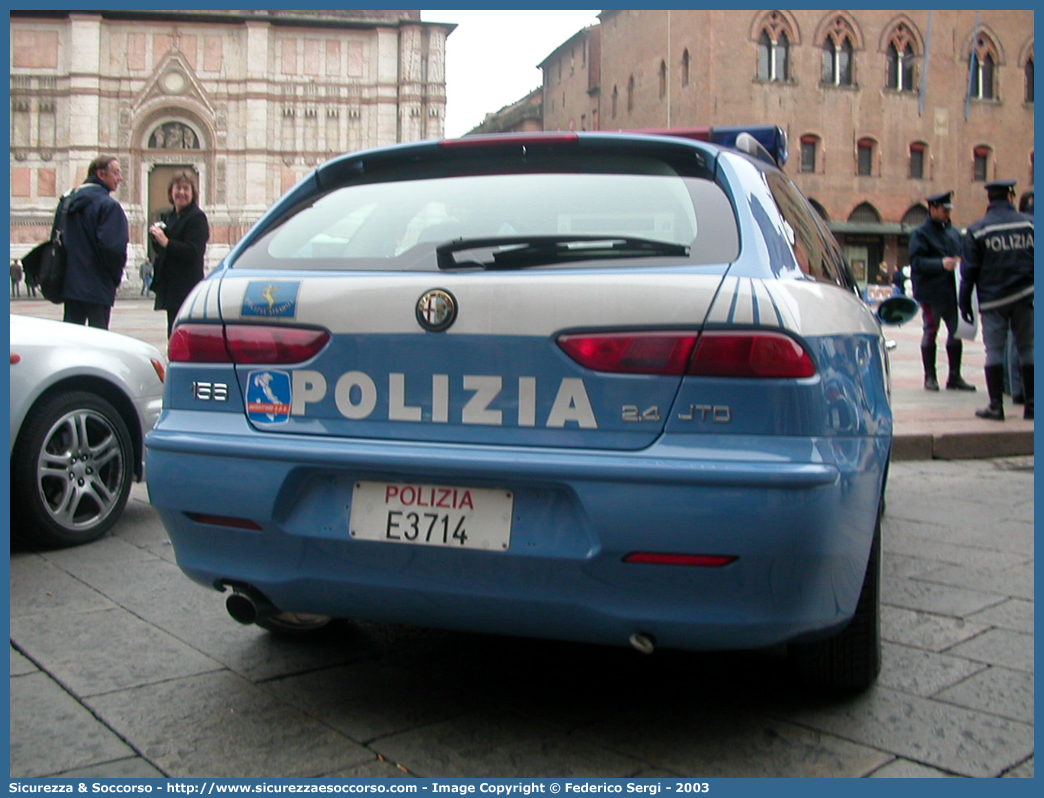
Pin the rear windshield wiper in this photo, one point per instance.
(519, 252)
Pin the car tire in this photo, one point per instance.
(71, 470)
(851, 659)
(294, 624)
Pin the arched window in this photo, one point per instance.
(173, 136)
(837, 53)
(1028, 72)
(915, 216)
(983, 66)
(663, 79)
(774, 49)
(685, 68)
(630, 94)
(864, 212)
(616, 98)
(901, 57)
(918, 158)
(981, 157)
(865, 149)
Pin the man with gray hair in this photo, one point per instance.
(96, 236)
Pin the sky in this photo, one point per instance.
(492, 57)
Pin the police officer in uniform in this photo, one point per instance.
(934, 250)
(998, 263)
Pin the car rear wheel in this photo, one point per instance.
(851, 659)
(71, 470)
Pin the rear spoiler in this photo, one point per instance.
(767, 142)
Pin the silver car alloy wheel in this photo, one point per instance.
(80, 469)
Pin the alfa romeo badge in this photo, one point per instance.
(436, 310)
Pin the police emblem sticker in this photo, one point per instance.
(268, 397)
(436, 310)
(271, 299)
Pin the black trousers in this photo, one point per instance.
(90, 313)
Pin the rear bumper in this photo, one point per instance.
(798, 514)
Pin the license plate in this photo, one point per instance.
(431, 515)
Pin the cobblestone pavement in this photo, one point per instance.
(120, 666)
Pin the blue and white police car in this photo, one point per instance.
(613, 388)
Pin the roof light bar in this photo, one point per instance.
(772, 137)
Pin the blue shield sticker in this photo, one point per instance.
(268, 397)
(271, 299)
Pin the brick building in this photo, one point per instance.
(882, 108)
(250, 101)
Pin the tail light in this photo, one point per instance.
(750, 354)
(245, 344)
(631, 353)
(746, 353)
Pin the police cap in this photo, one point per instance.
(1000, 189)
(945, 199)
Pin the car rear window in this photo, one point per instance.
(395, 224)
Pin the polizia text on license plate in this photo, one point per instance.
(431, 515)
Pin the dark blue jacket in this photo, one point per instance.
(929, 244)
(998, 257)
(96, 238)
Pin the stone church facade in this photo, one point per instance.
(249, 101)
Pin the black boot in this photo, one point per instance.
(955, 382)
(1027, 390)
(931, 383)
(995, 386)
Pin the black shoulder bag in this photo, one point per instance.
(46, 263)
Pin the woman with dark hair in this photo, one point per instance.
(180, 238)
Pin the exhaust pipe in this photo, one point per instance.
(247, 605)
(644, 643)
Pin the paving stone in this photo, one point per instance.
(923, 673)
(218, 725)
(951, 738)
(371, 699)
(1016, 581)
(158, 592)
(111, 551)
(374, 769)
(1013, 614)
(1023, 771)
(133, 768)
(955, 527)
(997, 690)
(905, 543)
(732, 744)
(939, 599)
(925, 629)
(494, 744)
(999, 647)
(39, 586)
(95, 652)
(901, 566)
(20, 666)
(905, 769)
(52, 732)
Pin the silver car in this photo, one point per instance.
(82, 400)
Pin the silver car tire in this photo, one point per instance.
(71, 470)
